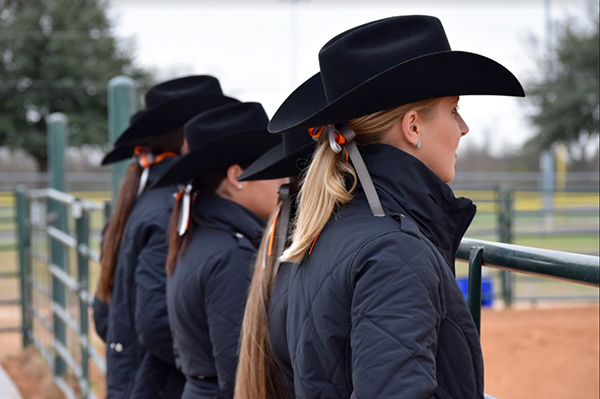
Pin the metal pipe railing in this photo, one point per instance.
(558, 265)
(563, 266)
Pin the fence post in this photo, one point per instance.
(121, 105)
(474, 291)
(82, 232)
(24, 240)
(57, 143)
(505, 221)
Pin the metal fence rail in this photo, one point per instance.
(61, 282)
(564, 266)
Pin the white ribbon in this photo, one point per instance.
(184, 216)
(145, 173)
(143, 181)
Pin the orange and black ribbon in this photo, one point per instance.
(146, 159)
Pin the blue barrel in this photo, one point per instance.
(487, 289)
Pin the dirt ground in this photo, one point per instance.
(542, 353)
(549, 352)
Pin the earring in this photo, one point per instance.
(240, 186)
(418, 145)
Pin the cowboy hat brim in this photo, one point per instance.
(170, 115)
(118, 154)
(216, 155)
(274, 164)
(443, 74)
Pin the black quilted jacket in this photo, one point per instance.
(139, 347)
(206, 295)
(375, 310)
(277, 314)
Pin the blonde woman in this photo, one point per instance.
(374, 308)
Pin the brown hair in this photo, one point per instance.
(113, 234)
(324, 186)
(258, 372)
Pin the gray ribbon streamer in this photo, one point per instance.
(362, 172)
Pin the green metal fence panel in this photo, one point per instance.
(77, 287)
(505, 227)
(57, 143)
(83, 238)
(24, 251)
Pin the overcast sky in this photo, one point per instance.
(261, 50)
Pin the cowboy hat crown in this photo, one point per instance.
(169, 105)
(223, 136)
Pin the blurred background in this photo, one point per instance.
(530, 164)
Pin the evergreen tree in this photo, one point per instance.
(57, 56)
(565, 97)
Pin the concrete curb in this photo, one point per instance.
(7, 387)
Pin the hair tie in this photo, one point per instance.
(185, 196)
(315, 133)
(145, 158)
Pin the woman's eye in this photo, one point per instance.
(455, 110)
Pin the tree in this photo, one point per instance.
(565, 97)
(57, 56)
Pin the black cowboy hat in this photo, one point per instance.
(284, 160)
(227, 135)
(121, 153)
(171, 104)
(385, 64)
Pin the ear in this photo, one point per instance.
(410, 127)
(233, 172)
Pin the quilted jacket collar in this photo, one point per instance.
(216, 212)
(158, 169)
(405, 184)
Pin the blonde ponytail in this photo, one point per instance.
(324, 187)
